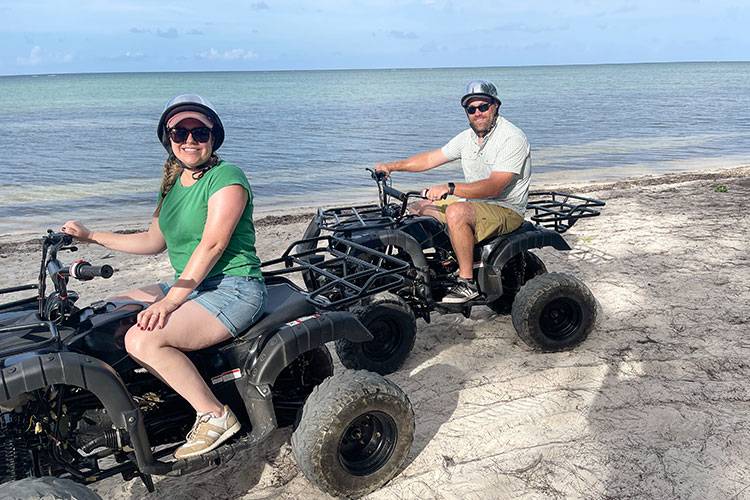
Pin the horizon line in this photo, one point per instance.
(404, 68)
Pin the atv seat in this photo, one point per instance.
(285, 303)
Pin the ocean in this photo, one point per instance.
(84, 145)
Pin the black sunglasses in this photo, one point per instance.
(179, 134)
(482, 107)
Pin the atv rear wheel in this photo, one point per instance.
(554, 312)
(355, 433)
(533, 266)
(46, 487)
(391, 322)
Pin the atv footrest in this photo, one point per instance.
(213, 458)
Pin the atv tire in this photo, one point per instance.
(355, 433)
(48, 487)
(533, 267)
(391, 322)
(554, 312)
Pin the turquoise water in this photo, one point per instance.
(84, 146)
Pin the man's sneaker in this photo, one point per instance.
(462, 291)
(208, 433)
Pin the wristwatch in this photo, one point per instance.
(451, 188)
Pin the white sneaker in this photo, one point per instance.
(208, 433)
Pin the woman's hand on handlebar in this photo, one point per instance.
(155, 316)
(436, 192)
(77, 230)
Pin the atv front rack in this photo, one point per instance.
(559, 211)
(15, 339)
(342, 272)
(347, 219)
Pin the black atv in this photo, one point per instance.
(550, 311)
(74, 407)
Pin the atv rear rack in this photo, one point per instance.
(343, 272)
(559, 211)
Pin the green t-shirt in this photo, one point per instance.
(182, 219)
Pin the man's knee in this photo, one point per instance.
(418, 207)
(458, 214)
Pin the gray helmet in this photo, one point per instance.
(480, 88)
(190, 102)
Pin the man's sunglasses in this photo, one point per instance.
(482, 107)
(179, 135)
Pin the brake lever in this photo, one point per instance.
(377, 176)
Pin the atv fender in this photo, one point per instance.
(69, 368)
(266, 361)
(499, 251)
(302, 335)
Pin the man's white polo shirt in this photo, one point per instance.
(505, 149)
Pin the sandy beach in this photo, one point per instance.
(655, 404)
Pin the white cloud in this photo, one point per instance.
(227, 55)
(127, 56)
(38, 55)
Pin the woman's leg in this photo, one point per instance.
(189, 328)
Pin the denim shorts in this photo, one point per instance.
(237, 301)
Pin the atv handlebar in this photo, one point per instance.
(386, 190)
(84, 271)
(51, 267)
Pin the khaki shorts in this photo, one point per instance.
(491, 220)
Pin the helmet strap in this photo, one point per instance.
(198, 172)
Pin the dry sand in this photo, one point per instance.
(655, 404)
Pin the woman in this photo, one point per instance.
(204, 221)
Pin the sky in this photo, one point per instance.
(81, 36)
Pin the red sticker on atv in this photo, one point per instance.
(226, 376)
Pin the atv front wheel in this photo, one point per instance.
(46, 487)
(391, 322)
(355, 433)
(554, 312)
(514, 278)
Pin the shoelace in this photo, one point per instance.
(204, 417)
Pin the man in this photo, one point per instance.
(496, 161)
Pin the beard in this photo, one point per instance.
(484, 128)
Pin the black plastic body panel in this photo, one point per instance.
(299, 337)
(69, 368)
(496, 253)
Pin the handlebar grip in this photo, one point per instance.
(84, 271)
(394, 193)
